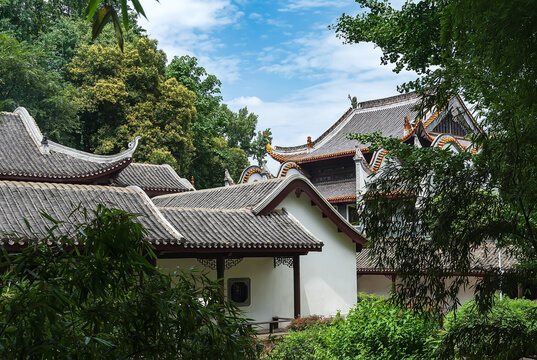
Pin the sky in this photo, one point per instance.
(278, 58)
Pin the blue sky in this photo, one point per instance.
(278, 58)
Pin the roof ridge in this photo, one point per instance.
(245, 210)
(50, 185)
(220, 188)
(37, 137)
(369, 104)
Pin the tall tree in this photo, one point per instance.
(222, 138)
(27, 80)
(450, 204)
(125, 94)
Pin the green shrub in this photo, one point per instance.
(373, 329)
(376, 329)
(508, 331)
(300, 345)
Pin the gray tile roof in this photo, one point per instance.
(485, 258)
(23, 157)
(337, 189)
(153, 178)
(241, 228)
(227, 197)
(25, 200)
(384, 115)
(230, 215)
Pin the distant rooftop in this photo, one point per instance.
(25, 154)
(153, 179)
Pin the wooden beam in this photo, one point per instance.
(296, 285)
(220, 265)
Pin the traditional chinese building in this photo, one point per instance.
(339, 168)
(278, 247)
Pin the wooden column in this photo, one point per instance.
(296, 285)
(220, 265)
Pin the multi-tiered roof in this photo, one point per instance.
(328, 160)
(38, 176)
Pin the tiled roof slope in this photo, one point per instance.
(217, 228)
(25, 200)
(153, 178)
(23, 157)
(239, 196)
(335, 190)
(384, 115)
(259, 198)
(485, 258)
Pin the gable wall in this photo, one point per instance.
(328, 278)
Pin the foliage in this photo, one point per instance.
(26, 20)
(299, 345)
(373, 329)
(302, 323)
(108, 12)
(126, 94)
(222, 138)
(94, 295)
(508, 331)
(376, 329)
(488, 55)
(26, 80)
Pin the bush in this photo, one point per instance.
(373, 329)
(94, 295)
(376, 329)
(508, 331)
(304, 322)
(300, 345)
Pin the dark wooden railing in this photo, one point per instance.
(273, 324)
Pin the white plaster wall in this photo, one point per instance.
(271, 288)
(375, 284)
(328, 278)
(381, 285)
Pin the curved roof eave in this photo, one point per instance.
(37, 137)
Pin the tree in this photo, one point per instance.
(448, 205)
(222, 138)
(126, 94)
(26, 20)
(27, 80)
(93, 294)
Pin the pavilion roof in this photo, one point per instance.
(25, 154)
(384, 115)
(250, 203)
(153, 179)
(23, 203)
(240, 228)
(338, 191)
(240, 196)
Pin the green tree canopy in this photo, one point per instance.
(126, 94)
(222, 138)
(27, 80)
(453, 203)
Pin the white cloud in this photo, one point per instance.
(255, 16)
(243, 101)
(187, 27)
(298, 5)
(315, 55)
